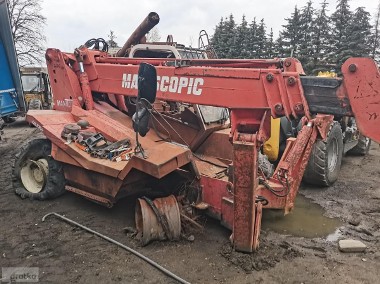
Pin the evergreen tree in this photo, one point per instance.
(306, 50)
(321, 39)
(261, 40)
(242, 43)
(340, 48)
(252, 39)
(218, 40)
(279, 47)
(292, 34)
(230, 36)
(360, 36)
(320, 42)
(270, 45)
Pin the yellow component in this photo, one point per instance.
(272, 146)
(327, 74)
(30, 96)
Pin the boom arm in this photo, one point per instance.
(261, 84)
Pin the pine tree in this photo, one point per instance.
(306, 49)
(261, 40)
(270, 45)
(321, 39)
(252, 39)
(230, 36)
(292, 34)
(218, 40)
(360, 36)
(279, 47)
(242, 44)
(340, 48)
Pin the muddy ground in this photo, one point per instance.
(65, 254)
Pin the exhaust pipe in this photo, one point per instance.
(146, 25)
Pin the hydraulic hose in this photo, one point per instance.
(136, 253)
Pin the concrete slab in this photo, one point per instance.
(351, 246)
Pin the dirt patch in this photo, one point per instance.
(269, 254)
(67, 254)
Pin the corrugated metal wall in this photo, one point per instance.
(9, 48)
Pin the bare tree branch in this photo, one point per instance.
(27, 25)
(376, 35)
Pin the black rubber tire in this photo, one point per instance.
(317, 170)
(35, 104)
(9, 119)
(55, 184)
(362, 148)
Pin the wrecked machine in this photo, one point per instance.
(189, 133)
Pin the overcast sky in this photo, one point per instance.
(71, 22)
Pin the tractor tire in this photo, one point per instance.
(9, 119)
(362, 148)
(35, 174)
(325, 158)
(35, 104)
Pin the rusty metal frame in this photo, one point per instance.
(253, 90)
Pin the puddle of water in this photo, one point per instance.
(306, 220)
(334, 236)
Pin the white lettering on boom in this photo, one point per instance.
(174, 84)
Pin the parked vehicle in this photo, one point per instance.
(36, 87)
(11, 94)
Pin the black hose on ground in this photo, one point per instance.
(136, 253)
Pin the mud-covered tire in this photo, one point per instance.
(35, 150)
(9, 119)
(362, 147)
(35, 104)
(325, 158)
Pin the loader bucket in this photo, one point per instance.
(362, 81)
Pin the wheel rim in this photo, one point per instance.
(366, 142)
(34, 175)
(332, 154)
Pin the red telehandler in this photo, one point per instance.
(209, 120)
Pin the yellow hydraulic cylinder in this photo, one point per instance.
(272, 145)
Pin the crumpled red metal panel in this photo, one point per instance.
(362, 81)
